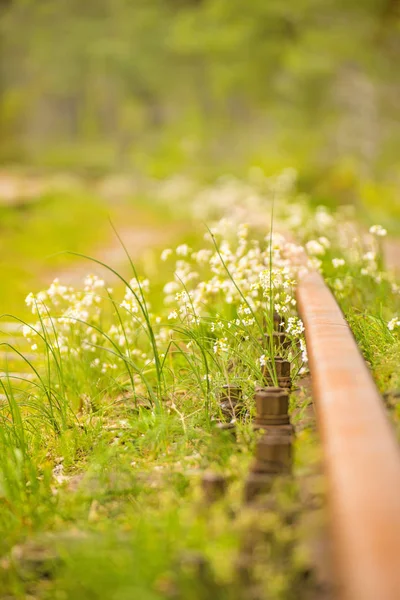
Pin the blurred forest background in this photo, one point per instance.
(206, 86)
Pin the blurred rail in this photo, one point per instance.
(361, 453)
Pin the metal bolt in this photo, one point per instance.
(214, 486)
(273, 454)
(282, 369)
(273, 429)
(272, 406)
(285, 382)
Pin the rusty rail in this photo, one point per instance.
(361, 453)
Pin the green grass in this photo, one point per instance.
(102, 454)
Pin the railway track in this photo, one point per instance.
(361, 453)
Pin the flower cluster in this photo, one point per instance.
(394, 324)
(219, 306)
(247, 274)
(77, 323)
(62, 310)
(378, 230)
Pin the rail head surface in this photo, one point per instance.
(361, 453)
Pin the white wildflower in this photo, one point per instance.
(27, 331)
(393, 324)
(183, 250)
(338, 262)
(202, 256)
(303, 348)
(221, 346)
(325, 242)
(262, 360)
(315, 248)
(378, 230)
(323, 218)
(165, 254)
(93, 282)
(338, 285)
(294, 326)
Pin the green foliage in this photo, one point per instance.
(201, 81)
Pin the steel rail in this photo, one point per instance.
(361, 453)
